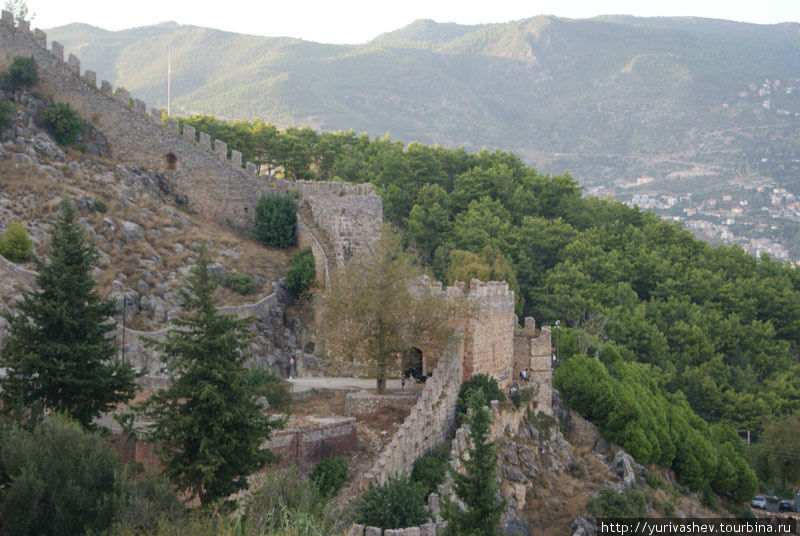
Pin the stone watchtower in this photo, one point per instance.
(532, 351)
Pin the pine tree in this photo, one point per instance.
(478, 486)
(59, 354)
(207, 421)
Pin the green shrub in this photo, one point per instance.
(15, 245)
(6, 119)
(301, 274)
(100, 206)
(328, 475)
(396, 504)
(58, 479)
(23, 72)
(151, 497)
(269, 385)
(63, 121)
(479, 382)
(286, 504)
(631, 503)
(276, 220)
(430, 468)
(653, 480)
(243, 283)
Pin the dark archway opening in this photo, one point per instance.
(413, 364)
(170, 162)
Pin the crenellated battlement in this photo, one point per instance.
(73, 64)
(218, 185)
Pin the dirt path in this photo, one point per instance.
(300, 385)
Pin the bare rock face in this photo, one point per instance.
(131, 232)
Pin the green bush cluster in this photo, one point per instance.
(286, 505)
(328, 475)
(626, 402)
(430, 468)
(269, 385)
(276, 220)
(63, 122)
(301, 273)
(395, 504)
(57, 479)
(6, 119)
(15, 244)
(609, 503)
(243, 283)
(100, 206)
(23, 72)
(479, 382)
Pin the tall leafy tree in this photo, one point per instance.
(207, 421)
(59, 354)
(478, 485)
(371, 314)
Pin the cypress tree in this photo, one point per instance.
(478, 486)
(207, 421)
(60, 354)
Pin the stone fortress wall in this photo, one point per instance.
(216, 185)
(350, 216)
(487, 342)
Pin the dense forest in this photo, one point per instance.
(713, 329)
(717, 324)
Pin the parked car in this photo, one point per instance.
(759, 501)
(786, 506)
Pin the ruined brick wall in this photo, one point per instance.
(532, 350)
(307, 445)
(216, 185)
(430, 420)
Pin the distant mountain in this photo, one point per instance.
(610, 99)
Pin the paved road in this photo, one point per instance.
(304, 384)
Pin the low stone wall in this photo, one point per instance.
(138, 354)
(428, 529)
(306, 445)
(365, 402)
(430, 420)
(12, 273)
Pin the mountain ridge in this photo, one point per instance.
(609, 99)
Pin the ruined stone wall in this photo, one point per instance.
(142, 357)
(10, 273)
(366, 402)
(430, 420)
(532, 351)
(216, 185)
(304, 446)
(488, 322)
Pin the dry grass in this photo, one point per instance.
(36, 195)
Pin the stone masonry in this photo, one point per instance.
(532, 351)
(216, 185)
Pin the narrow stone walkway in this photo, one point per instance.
(300, 385)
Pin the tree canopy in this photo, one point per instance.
(59, 354)
(207, 421)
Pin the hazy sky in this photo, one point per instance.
(358, 21)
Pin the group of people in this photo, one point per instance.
(523, 376)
